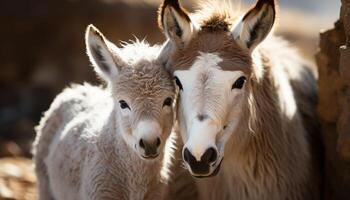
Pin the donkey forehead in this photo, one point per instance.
(206, 69)
(144, 81)
(233, 57)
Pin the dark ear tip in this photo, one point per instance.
(269, 2)
(171, 3)
(272, 2)
(166, 3)
(174, 4)
(91, 30)
(261, 3)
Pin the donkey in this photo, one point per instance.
(243, 96)
(107, 143)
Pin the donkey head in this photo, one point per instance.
(142, 91)
(212, 65)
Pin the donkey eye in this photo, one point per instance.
(123, 105)
(168, 102)
(178, 83)
(239, 83)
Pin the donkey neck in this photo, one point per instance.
(252, 158)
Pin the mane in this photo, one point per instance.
(217, 15)
(137, 50)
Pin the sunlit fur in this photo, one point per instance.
(265, 136)
(85, 146)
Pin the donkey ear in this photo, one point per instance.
(175, 22)
(106, 63)
(256, 24)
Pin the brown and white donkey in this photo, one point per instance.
(244, 96)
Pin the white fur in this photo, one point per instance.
(149, 130)
(200, 135)
(85, 146)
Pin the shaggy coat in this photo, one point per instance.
(271, 127)
(80, 151)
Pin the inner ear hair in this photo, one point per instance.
(257, 23)
(96, 51)
(175, 4)
(105, 63)
(175, 22)
(171, 24)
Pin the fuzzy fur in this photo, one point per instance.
(271, 154)
(79, 152)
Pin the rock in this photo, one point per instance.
(333, 61)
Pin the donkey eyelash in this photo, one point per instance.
(178, 83)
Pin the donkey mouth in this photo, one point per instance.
(150, 157)
(214, 173)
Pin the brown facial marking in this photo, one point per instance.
(215, 23)
(220, 42)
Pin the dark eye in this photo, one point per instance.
(168, 102)
(123, 105)
(239, 83)
(178, 83)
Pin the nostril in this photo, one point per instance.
(210, 155)
(187, 155)
(142, 145)
(158, 142)
(213, 156)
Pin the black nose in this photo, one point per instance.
(202, 166)
(209, 155)
(150, 147)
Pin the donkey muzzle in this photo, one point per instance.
(151, 148)
(202, 167)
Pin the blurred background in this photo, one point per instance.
(42, 49)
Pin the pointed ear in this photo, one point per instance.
(256, 24)
(175, 22)
(105, 61)
(165, 53)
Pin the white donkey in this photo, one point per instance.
(102, 143)
(249, 101)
